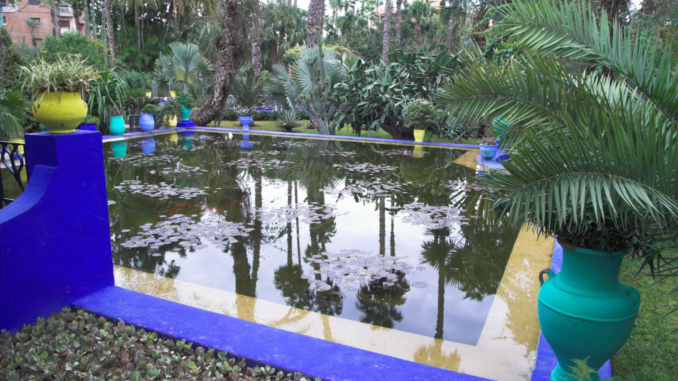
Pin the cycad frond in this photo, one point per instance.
(575, 31)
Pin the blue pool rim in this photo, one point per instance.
(292, 135)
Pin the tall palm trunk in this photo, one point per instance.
(316, 12)
(399, 21)
(137, 24)
(231, 47)
(382, 226)
(56, 13)
(110, 29)
(256, 41)
(387, 31)
(453, 29)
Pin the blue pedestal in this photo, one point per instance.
(186, 123)
(55, 242)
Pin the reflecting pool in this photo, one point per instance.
(365, 232)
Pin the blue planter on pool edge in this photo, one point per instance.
(117, 125)
(245, 120)
(146, 122)
(88, 127)
(488, 152)
(148, 145)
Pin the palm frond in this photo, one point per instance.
(575, 31)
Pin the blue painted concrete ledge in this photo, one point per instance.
(546, 359)
(292, 135)
(257, 343)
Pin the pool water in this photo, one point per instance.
(366, 232)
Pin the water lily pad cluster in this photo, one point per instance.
(336, 153)
(79, 346)
(376, 187)
(264, 163)
(138, 160)
(188, 233)
(468, 186)
(296, 143)
(368, 168)
(433, 217)
(161, 190)
(184, 170)
(398, 152)
(309, 214)
(349, 268)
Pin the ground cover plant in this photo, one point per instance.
(650, 353)
(75, 345)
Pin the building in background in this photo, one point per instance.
(29, 21)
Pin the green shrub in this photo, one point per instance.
(89, 119)
(92, 51)
(77, 345)
(67, 73)
(287, 120)
(149, 109)
(420, 114)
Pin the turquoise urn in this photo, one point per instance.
(584, 311)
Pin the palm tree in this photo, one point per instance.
(184, 66)
(247, 86)
(592, 155)
(110, 28)
(316, 13)
(335, 5)
(309, 75)
(231, 47)
(11, 101)
(256, 40)
(419, 12)
(32, 23)
(398, 26)
(387, 31)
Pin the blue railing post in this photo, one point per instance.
(54, 239)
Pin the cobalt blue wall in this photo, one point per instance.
(54, 239)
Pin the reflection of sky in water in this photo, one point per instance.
(357, 226)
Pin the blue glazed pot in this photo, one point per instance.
(488, 152)
(88, 127)
(246, 143)
(245, 120)
(119, 148)
(148, 145)
(117, 125)
(146, 122)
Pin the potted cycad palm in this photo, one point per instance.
(419, 114)
(601, 181)
(58, 90)
(245, 117)
(170, 112)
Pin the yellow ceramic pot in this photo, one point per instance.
(171, 122)
(20, 148)
(174, 139)
(419, 135)
(61, 112)
(418, 151)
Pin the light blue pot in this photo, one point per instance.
(246, 121)
(488, 152)
(146, 122)
(117, 125)
(148, 145)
